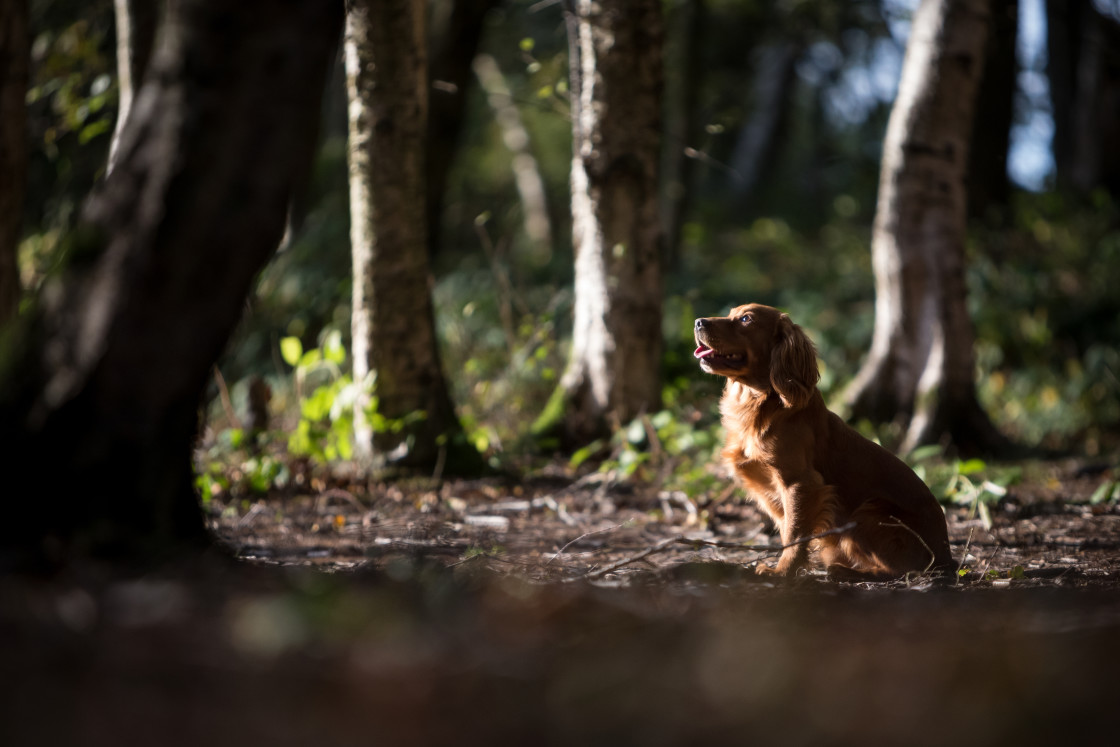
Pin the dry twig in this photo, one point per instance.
(669, 541)
(932, 555)
(584, 536)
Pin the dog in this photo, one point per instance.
(806, 468)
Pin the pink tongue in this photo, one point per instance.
(702, 352)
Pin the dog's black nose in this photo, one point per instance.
(700, 323)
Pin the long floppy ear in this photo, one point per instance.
(793, 364)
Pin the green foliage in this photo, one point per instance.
(1048, 319)
(1107, 492)
(325, 430)
(504, 354)
(672, 449)
(972, 482)
(233, 466)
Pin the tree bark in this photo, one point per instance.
(920, 367)
(1083, 65)
(613, 373)
(136, 33)
(453, 48)
(762, 133)
(683, 125)
(393, 324)
(99, 409)
(14, 51)
(988, 185)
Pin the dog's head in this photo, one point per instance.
(760, 347)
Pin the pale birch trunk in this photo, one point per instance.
(921, 365)
(136, 32)
(393, 328)
(613, 373)
(526, 172)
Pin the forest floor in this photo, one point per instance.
(553, 610)
(552, 528)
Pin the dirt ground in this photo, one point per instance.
(553, 611)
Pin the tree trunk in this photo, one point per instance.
(683, 125)
(136, 33)
(1083, 65)
(613, 372)
(988, 185)
(393, 325)
(920, 366)
(453, 48)
(14, 51)
(526, 173)
(763, 132)
(99, 409)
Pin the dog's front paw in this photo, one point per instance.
(779, 571)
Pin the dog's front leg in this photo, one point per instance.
(800, 502)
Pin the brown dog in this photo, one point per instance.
(804, 466)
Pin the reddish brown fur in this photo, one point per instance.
(804, 466)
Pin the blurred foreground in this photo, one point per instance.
(448, 629)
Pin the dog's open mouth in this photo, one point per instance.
(711, 357)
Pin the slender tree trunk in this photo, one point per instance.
(683, 54)
(1083, 65)
(394, 342)
(988, 185)
(762, 133)
(14, 51)
(99, 407)
(136, 33)
(526, 172)
(453, 46)
(613, 372)
(921, 359)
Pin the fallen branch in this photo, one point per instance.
(669, 541)
(584, 536)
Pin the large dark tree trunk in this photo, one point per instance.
(14, 50)
(394, 342)
(136, 34)
(613, 373)
(99, 406)
(920, 367)
(988, 185)
(1083, 65)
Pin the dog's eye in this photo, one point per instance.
(746, 319)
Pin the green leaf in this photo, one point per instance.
(1017, 572)
(310, 358)
(1104, 491)
(922, 453)
(985, 515)
(333, 349)
(527, 44)
(582, 455)
(972, 466)
(291, 350)
(90, 131)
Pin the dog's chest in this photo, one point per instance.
(758, 478)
